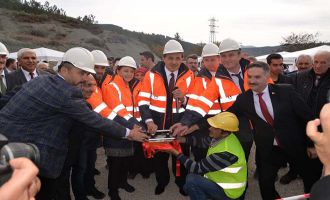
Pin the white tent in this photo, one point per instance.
(44, 54)
(291, 57)
(263, 57)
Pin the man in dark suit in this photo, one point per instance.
(279, 115)
(43, 110)
(27, 60)
(3, 72)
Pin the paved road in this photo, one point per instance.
(145, 187)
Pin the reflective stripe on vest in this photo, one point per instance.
(223, 97)
(204, 83)
(118, 108)
(142, 103)
(100, 107)
(117, 88)
(232, 185)
(112, 115)
(214, 112)
(188, 81)
(196, 109)
(233, 170)
(152, 79)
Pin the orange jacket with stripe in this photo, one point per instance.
(202, 83)
(119, 97)
(156, 101)
(98, 105)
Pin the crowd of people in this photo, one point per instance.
(215, 109)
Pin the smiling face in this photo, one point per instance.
(230, 60)
(173, 61)
(127, 73)
(28, 61)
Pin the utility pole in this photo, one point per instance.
(213, 31)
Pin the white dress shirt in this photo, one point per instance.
(168, 75)
(3, 77)
(27, 74)
(235, 78)
(267, 100)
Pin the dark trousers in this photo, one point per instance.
(118, 171)
(268, 168)
(140, 164)
(82, 177)
(48, 189)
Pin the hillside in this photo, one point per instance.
(19, 29)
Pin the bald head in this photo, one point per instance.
(304, 62)
(321, 62)
(42, 66)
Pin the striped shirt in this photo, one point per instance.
(211, 163)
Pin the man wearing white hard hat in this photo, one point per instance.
(3, 73)
(161, 102)
(43, 110)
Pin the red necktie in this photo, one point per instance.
(171, 83)
(265, 111)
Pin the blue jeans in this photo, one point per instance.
(200, 188)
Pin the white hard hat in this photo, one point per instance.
(127, 61)
(172, 46)
(3, 49)
(100, 58)
(210, 49)
(80, 58)
(229, 45)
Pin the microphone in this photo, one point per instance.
(176, 101)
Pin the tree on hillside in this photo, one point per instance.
(177, 37)
(300, 41)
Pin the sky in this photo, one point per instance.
(252, 22)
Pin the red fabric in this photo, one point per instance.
(150, 149)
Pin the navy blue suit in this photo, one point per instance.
(42, 112)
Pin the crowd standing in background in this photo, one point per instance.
(215, 106)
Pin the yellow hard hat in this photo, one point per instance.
(225, 120)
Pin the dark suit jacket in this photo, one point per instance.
(291, 114)
(6, 77)
(320, 190)
(17, 78)
(42, 112)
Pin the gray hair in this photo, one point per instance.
(21, 52)
(304, 56)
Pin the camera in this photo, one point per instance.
(13, 150)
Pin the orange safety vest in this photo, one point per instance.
(219, 89)
(153, 90)
(106, 81)
(97, 104)
(118, 96)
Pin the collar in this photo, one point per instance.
(2, 72)
(231, 73)
(28, 73)
(169, 72)
(264, 91)
(58, 74)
